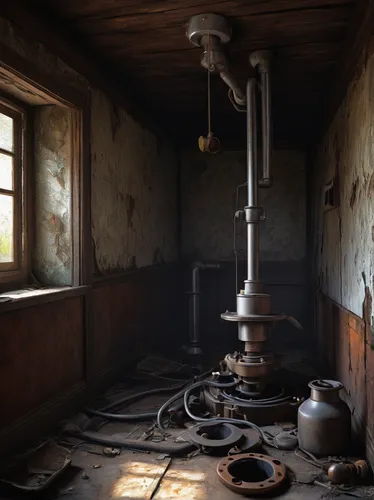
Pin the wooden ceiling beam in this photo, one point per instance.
(95, 9)
(72, 49)
(295, 19)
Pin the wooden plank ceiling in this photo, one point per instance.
(145, 43)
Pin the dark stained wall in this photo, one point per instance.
(208, 198)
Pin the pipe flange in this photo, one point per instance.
(251, 473)
(215, 436)
(250, 366)
(257, 318)
(208, 24)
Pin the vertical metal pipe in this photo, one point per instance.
(194, 320)
(252, 227)
(267, 132)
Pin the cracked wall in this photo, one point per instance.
(134, 182)
(344, 249)
(52, 258)
(343, 236)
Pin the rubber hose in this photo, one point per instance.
(182, 393)
(135, 444)
(135, 417)
(119, 417)
(140, 395)
(221, 419)
(150, 392)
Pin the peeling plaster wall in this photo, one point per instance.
(208, 204)
(53, 179)
(133, 172)
(134, 181)
(344, 250)
(344, 236)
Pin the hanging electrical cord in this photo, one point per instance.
(209, 144)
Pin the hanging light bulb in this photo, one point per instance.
(209, 143)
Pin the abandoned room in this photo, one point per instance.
(186, 249)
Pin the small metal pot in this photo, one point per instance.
(324, 420)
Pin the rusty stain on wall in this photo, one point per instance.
(53, 170)
(208, 204)
(134, 185)
(347, 232)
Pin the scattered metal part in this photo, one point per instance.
(215, 436)
(347, 473)
(66, 491)
(85, 476)
(111, 452)
(148, 433)
(251, 473)
(250, 441)
(96, 466)
(286, 440)
(36, 470)
(324, 420)
(335, 490)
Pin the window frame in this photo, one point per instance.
(15, 273)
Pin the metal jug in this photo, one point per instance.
(324, 420)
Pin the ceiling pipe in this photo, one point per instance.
(214, 60)
(210, 31)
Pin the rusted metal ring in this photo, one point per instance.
(251, 473)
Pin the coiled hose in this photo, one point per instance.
(186, 394)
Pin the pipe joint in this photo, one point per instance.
(253, 214)
(261, 59)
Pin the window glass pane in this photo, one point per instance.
(6, 132)
(6, 172)
(6, 229)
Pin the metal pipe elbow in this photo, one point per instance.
(239, 95)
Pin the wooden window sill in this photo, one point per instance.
(19, 299)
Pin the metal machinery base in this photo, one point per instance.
(269, 407)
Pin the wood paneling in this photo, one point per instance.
(145, 43)
(41, 355)
(343, 345)
(134, 315)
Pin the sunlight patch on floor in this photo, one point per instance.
(138, 479)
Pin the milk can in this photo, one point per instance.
(324, 420)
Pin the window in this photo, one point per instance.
(11, 193)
